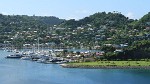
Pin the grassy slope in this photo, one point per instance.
(116, 63)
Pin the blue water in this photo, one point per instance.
(16, 71)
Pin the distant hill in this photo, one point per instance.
(143, 22)
(9, 23)
(114, 19)
(145, 19)
(50, 20)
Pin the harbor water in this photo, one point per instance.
(17, 71)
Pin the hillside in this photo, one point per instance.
(114, 19)
(10, 23)
(145, 19)
(49, 20)
(95, 30)
(20, 26)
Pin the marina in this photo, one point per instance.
(44, 56)
(29, 72)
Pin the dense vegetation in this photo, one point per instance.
(105, 31)
(109, 19)
(138, 50)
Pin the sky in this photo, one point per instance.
(74, 9)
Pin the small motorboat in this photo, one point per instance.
(14, 56)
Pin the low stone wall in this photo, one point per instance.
(104, 67)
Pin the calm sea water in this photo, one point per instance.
(16, 71)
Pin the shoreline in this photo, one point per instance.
(103, 67)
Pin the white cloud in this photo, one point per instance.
(72, 17)
(43, 13)
(130, 15)
(78, 14)
(46, 14)
(5, 13)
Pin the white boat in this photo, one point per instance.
(14, 56)
(41, 60)
(26, 58)
(61, 62)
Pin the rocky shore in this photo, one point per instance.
(104, 67)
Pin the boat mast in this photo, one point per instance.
(38, 45)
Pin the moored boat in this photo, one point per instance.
(26, 58)
(14, 56)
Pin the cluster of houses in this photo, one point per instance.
(86, 37)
